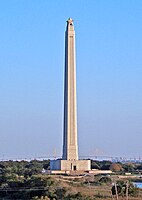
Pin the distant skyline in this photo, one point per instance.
(109, 76)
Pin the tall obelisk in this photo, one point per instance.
(69, 161)
(70, 146)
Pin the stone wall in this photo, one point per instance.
(72, 165)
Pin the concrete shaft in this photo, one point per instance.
(70, 147)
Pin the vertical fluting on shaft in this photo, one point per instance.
(70, 147)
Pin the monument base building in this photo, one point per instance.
(70, 165)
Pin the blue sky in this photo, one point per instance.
(109, 76)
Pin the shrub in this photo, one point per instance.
(105, 180)
(116, 167)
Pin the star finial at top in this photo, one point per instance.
(70, 20)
